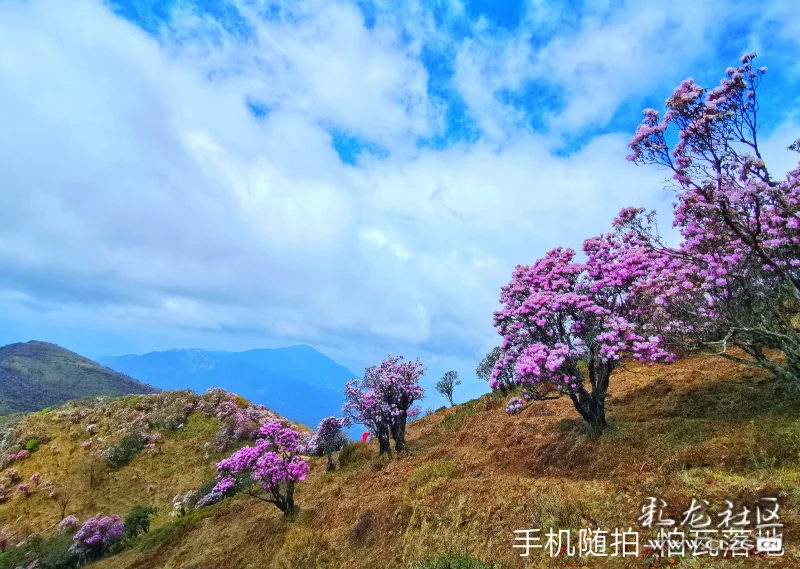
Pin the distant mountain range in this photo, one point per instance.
(297, 382)
(36, 375)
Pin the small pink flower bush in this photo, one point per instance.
(96, 536)
(514, 406)
(24, 489)
(68, 524)
(86, 445)
(273, 463)
(35, 478)
(13, 474)
(327, 439)
(23, 454)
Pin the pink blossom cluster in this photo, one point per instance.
(566, 325)
(515, 405)
(86, 445)
(327, 439)
(737, 269)
(273, 462)
(96, 535)
(68, 524)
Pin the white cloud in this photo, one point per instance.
(140, 197)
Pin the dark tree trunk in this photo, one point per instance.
(331, 465)
(287, 505)
(592, 406)
(384, 446)
(399, 431)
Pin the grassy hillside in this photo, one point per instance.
(270, 377)
(702, 427)
(36, 375)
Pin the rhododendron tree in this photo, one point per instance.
(273, 464)
(566, 325)
(381, 400)
(96, 536)
(329, 437)
(364, 406)
(735, 278)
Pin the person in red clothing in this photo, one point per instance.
(364, 437)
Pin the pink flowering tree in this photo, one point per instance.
(364, 406)
(381, 400)
(734, 280)
(566, 325)
(329, 438)
(268, 470)
(96, 536)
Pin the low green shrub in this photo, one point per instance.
(137, 522)
(51, 554)
(122, 453)
(355, 453)
(31, 445)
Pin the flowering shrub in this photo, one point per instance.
(35, 478)
(24, 489)
(514, 406)
(13, 474)
(273, 465)
(211, 498)
(740, 227)
(328, 438)
(86, 445)
(190, 499)
(22, 455)
(96, 536)
(68, 524)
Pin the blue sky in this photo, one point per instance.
(359, 176)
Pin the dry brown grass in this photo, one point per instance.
(473, 475)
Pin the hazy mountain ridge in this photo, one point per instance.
(36, 375)
(298, 382)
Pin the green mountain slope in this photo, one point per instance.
(36, 375)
